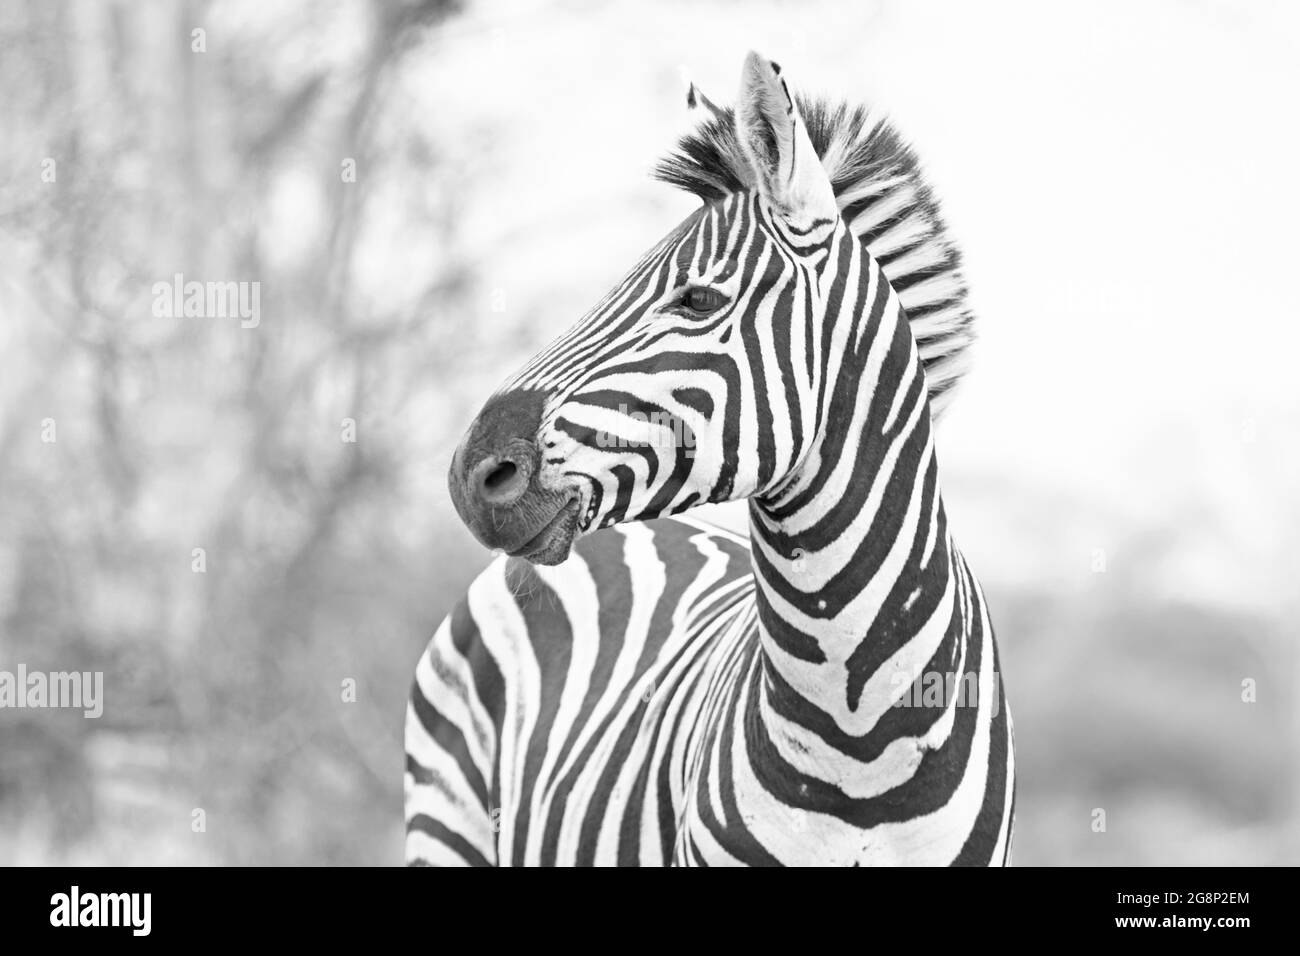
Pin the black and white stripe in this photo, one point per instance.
(672, 693)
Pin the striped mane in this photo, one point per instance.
(886, 202)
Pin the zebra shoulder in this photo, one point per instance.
(591, 595)
(518, 617)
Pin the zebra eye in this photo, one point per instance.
(703, 300)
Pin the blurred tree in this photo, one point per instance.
(275, 147)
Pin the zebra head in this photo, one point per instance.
(704, 375)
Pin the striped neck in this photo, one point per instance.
(855, 576)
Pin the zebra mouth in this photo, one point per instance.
(589, 513)
(551, 545)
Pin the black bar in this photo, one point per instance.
(333, 906)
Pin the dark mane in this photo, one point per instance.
(886, 202)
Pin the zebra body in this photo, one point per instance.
(826, 692)
(616, 689)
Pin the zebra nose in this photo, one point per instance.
(498, 482)
(493, 473)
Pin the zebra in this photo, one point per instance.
(627, 684)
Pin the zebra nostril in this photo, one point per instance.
(498, 482)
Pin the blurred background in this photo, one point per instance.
(426, 192)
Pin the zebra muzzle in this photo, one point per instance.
(494, 483)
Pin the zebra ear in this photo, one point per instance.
(697, 102)
(787, 171)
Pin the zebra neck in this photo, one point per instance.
(857, 584)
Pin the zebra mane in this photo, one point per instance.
(886, 202)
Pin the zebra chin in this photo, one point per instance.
(538, 525)
(495, 487)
